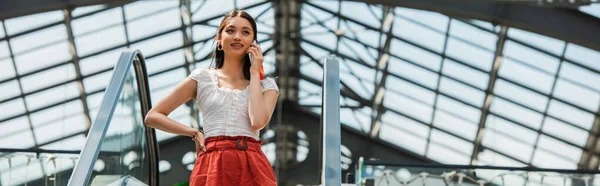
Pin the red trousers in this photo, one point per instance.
(232, 161)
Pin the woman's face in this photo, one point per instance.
(237, 36)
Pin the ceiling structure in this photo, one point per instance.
(457, 82)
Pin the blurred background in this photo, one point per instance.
(511, 83)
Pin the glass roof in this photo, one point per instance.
(437, 71)
(417, 79)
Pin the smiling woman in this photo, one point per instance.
(235, 102)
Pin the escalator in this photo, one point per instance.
(118, 140)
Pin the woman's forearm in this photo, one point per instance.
(259, 116)
(162, 122)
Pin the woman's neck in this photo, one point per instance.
(232, 67)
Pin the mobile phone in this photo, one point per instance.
(250, 54)
(262, 70)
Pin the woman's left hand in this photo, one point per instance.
(257, 58)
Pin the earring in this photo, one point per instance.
(219, 47)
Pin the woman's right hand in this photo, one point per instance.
(199, 141)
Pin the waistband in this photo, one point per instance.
(232, 143)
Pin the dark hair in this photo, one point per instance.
(219, 55)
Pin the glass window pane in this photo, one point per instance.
(314, 91)
(14, 126)
(548, 160)
(141, 8)
(97, 21)
(4, 50)
(526, 76)
(155, 22)
(366, 74)
(444, 155)
(86, 9)
(416, 55)
(358, 82)
(160, 43)
(578, 95)
(399, 122)
(465, 74)
(61, 128)
(330, 5)
(97, 82)
(349, 10)
(19, 140)
(41, 38)
(48, 77)
(484, 25)
(408, 106)
(570, 114)
(521, 133)
(549, 44)
(359, 119)
(40, 58)
(507, 145)
(488, 157)
(403, 138)
(313, 51)
(9, 90)
(560, 148)
(162, 84)
(408, 89)
(520, 95)
(462, 92)
(51, 96)
(7, 69)
(476, 57)
(366, 37)
(431, 19)
(20, 24)
(564, 131)
(531, 57)
(414, 31)
(101, 61)
(455, 125)
(165, 61)
(457, 108)
(584, 56)
(94, 100)
(100, 40)
(56, 113)
(358, 51)
(205, 49)
(473, 34)
(208, 9)
(442, 138)
(12, 108)
(313, 70)
(583, 76)
(516, 113)
(413, 73)
(592, 9)
(324, 39)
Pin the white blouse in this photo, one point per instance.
(224, 111)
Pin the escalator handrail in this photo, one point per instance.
(89, 154)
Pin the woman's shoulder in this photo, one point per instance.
(269, 83)
(202, 74)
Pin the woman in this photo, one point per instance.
(235, 103)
